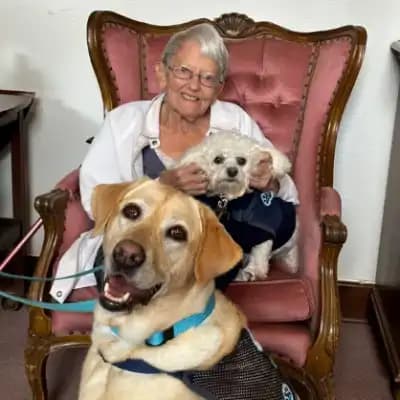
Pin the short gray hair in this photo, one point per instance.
(211, 45)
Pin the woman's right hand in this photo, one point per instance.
(189, 178)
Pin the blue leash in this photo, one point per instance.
(35, 278)
(84, 306)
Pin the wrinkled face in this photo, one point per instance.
(155, 242)
(189, 98)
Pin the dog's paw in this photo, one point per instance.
(115, 351)
(253, 272)
(245, 276)
(259, 272)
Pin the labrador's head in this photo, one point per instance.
(156, 240)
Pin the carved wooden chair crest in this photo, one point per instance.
(295, 85)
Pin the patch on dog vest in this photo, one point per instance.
(267, 198)
(287, 393)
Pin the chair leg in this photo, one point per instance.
(396, 391)
(36, 354)
(325, 388)
(320, 369)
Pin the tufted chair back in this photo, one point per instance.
(295, 85)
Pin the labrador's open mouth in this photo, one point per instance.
(119, 294)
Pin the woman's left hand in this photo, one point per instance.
(261, 177)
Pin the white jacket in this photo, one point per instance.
(116, 156)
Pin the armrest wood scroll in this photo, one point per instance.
(51, 207)
(333, 230)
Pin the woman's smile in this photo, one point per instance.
(190, 97)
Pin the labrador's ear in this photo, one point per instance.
(218, 252)
(105, 199)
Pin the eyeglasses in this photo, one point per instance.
(206, 78)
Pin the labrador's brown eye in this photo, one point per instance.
(218, 160)
(178, 233)
(241, 161)
(131, 211)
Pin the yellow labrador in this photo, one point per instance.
(162, 251)
(161, 331)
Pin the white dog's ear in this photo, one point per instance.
(105, 200)
(194, 155)
(280, 163)
(218, 251)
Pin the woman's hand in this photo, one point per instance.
(261, 177)
(190, 178)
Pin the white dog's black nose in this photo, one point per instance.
(128, 255)
(232, 172)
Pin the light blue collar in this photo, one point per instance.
(160, 337)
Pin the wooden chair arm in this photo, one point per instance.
(321, 356)
(51, 207)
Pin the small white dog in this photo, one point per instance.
(227, 157)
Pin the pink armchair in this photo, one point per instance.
(296, 86)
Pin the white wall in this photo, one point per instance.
(43, 49)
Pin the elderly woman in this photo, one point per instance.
(144, 137)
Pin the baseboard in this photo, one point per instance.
(355, 303)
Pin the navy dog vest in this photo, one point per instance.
(256, 217)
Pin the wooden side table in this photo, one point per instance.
(14, 106)
(386, 294)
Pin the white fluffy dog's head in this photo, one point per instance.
(228, 158)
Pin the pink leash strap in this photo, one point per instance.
(18, 247)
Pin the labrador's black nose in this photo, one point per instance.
(128, 255)
(232, 172)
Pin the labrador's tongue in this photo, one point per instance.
(118, 286)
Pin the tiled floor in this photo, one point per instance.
(360, 374)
